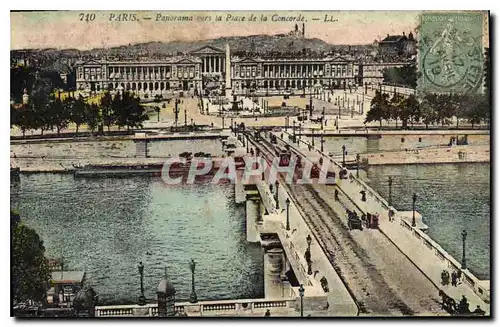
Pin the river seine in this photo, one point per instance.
(107, 226)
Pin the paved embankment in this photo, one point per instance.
(432, 155)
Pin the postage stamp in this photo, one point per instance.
(451, 56)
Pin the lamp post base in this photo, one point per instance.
(142, 300)
(193, 298)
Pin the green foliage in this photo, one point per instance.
(404, 76)
(30, 271)
(433, 108)
(108, 115)
(92, 118)
(379, 108)
(128, 111)
(77, 111)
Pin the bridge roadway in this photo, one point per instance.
(380, 278)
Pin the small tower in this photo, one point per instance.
(166, 297)
(26, 97)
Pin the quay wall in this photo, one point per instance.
(435, 155)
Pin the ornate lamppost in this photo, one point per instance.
(308, 255)
(192, 298)
(301, 294)
(312, 131)
(294, 131)
(357, 165)
(464, 262)
(413, 223)
(323, 118)
(287, 202)
(390, 191)
(322, 141)
(343, 155)
(300, 132)
(142, 299)
(276, 194)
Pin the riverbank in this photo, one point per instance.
(434, 155)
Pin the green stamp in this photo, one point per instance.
(451, 54)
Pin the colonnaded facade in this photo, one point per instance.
(207, 68)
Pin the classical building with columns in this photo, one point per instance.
(209, 64)
(293, 74)
(143, 77)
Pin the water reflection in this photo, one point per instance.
(451, 197)
(106, 226)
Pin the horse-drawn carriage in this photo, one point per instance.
(353, 220)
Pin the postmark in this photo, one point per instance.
(451, 54)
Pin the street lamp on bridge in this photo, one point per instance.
(312, 131)
(413, 223)
(322, 141)
(390, 191)
(192, 298)
(301, 294)
(287, 202)
(142, 299)
(357, 165)
(294, 131)
(343, 155)
(276, 194)
(300, 133)
(308, 254)
(464, 236)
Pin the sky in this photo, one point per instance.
(70, 29)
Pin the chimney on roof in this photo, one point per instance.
(403, 33)
(387, 34)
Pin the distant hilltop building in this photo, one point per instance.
(401, 45)
(298, 33)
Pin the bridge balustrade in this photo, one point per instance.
(203, 306)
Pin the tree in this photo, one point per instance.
(29, 267)
(378, 108)
(92, 118)
(24, 118)
(59, 114)
(14, 116)
(396, 107)
(128, 111)
(475, 108)
(77, 111)
(427, 111)
(412, 109)
(39, 108)
(108, 116)
(405, 76)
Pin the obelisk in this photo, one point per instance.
(228, 72)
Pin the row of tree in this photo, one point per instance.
(403, 76)
(53, 113)
(431, 109)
